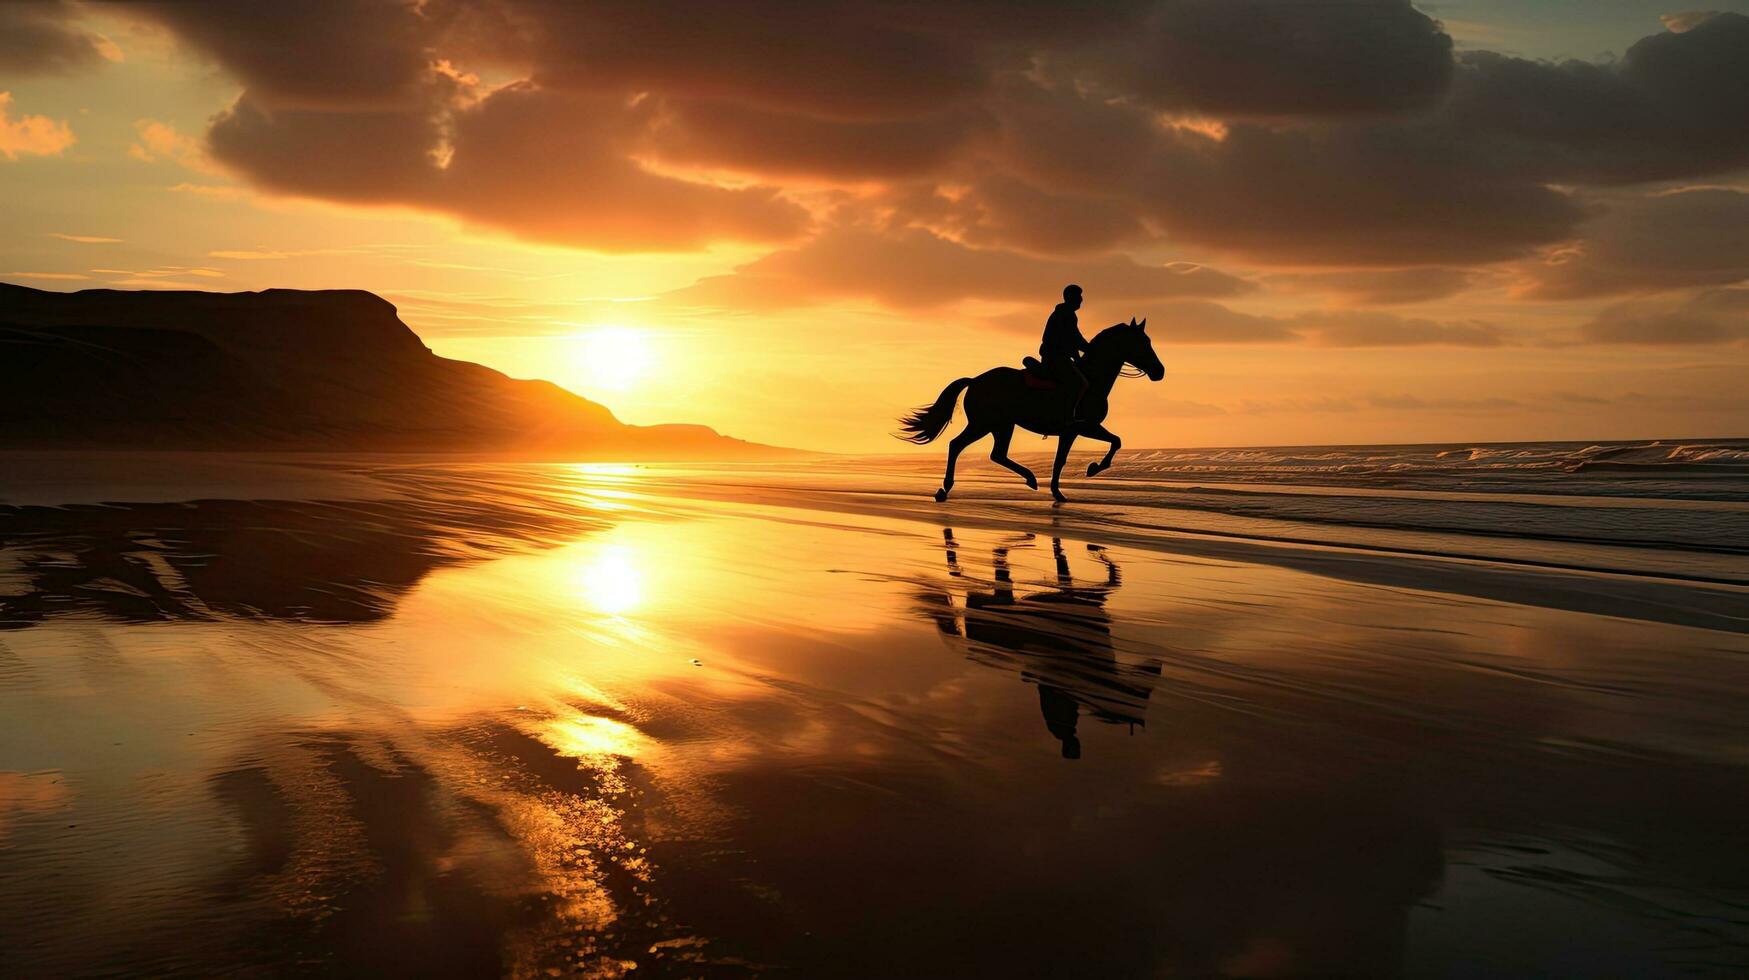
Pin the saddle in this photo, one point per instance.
(1033, 373)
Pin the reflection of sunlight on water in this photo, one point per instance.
(611, 581)
(598, 484)
(586, 736)
(605, 469)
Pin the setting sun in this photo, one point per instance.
(613, 357)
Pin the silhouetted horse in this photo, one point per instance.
(1002, 398)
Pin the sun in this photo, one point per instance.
(613, 357)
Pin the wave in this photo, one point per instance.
(1547, 461)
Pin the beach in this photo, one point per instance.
(1338, 711)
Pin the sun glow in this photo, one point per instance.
(611, 581)
(613, 357)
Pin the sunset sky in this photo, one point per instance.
(1345, 221)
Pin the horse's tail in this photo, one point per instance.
(926, 423)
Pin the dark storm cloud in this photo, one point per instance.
(362, 154)
(846, 61)
(44, 36)
(1349, 195)
(340, 53)
(1676, 105)
(1330, 133)
(1696, 237)
(495, 163)
(1282, 57)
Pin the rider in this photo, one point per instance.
(1062, 347)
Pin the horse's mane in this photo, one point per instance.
(1109, 334)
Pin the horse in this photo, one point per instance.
(1002, 398)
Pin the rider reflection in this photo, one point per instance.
(1057, 639)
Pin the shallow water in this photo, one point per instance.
(470, 718)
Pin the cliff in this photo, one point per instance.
(284, 369)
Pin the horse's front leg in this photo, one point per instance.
(1064, 441)
(1099, 431)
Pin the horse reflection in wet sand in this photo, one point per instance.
(1058, 639)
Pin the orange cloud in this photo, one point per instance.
(161, 140)
(913, 268)
(31, 135)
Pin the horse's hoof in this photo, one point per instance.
(941, 496)
(1059, 497)
(1031, 483)
(1093, 468)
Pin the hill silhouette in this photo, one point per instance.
(284, 369)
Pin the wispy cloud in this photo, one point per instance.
(250, 255)
(84, 239)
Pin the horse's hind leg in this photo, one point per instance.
(972, 433)
(999, 454)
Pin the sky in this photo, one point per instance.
(1347, 221)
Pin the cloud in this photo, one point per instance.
(163, 272)
(42, 36)
(1714, 316)
(1193, 321)
(1393, 402)
(85, 239)
(1282, 57)
(1687, 20)
(30, 135)
(1288, 132)
(1379, 287)
(830, 60)
(161, 141)
(912, 268)
(1349, 195)
(260, 254)
(1686, 238)
(1373, 329)
(720, 134)
(310, 54)
(1003, 211)
(1675, 106)
(543, 165)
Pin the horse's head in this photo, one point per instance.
(1138, 349)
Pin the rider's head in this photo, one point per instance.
(1072, 296)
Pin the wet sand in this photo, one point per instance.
(470, 719)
